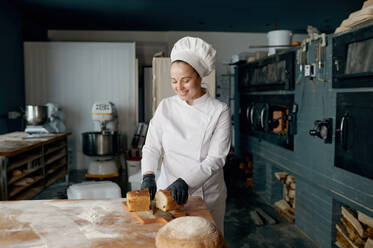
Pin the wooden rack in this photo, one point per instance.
(29, 166)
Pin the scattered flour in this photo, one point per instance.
(92, 233)
(58, 224)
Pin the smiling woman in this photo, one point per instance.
(185, 81)
(193, 129)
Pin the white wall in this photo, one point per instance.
(226, 44)
(75, 75)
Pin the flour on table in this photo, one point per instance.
(70, 230)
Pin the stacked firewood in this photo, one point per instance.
(286, 206)
(247, 167)
(355, 229)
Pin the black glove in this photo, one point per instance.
(148, 182)
(179, 190)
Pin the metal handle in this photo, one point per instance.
(250, 114)
(313, 132)
(262, 117)
(336, 62)
(341, 130)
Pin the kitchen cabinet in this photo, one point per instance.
(353, 142)
(27, 166)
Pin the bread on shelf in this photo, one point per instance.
(138, 200)
(17, 173)
(165, 202)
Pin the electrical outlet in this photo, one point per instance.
(309, 70)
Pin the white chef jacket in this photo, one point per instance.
(196, 140)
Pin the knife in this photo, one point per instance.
(159, 213)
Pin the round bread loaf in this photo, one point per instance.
(189, 231)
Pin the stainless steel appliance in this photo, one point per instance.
(269, 117)
(102, 145)
(44, 120)
(36, 115)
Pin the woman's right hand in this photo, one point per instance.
(148, 182)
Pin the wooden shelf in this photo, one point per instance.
(30, 193)
(56, 157)
(16, 179)
(50, 150)
(21, 162)
(54, 179)
(18, 189)
(56, 167)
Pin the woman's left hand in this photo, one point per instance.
(179, 190)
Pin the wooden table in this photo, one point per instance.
(27, 166)
(12, 144)
(79, 223)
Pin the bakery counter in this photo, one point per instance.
(30, 164)
(79, 223)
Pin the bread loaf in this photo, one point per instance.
(17, 173)
(138, 200)
(189, 231)
(165, 202)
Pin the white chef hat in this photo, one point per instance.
(197, 53)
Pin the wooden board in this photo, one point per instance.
(351, 232)
(369, 243)
(265, 216)
(255, 217)
(363, 218)
(343, 232)
(350, 216)
(148, 217)
(341, 241)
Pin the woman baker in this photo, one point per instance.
(193, 132)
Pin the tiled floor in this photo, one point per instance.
(240, 230)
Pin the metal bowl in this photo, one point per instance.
(100, 144)
(36, 115)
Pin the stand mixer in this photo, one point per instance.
(102, 145)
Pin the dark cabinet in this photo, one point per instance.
(353, 59)
(353, 137)
(272, 73)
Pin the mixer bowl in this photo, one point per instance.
(36, 114)
(100, 144)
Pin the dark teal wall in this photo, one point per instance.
(12, 95)
(321, 188)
